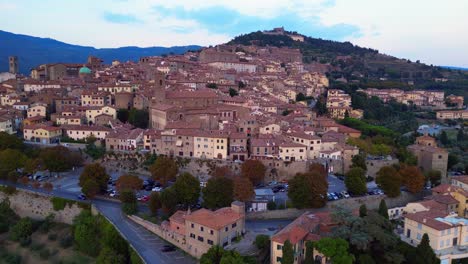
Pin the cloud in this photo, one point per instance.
(221, 19)
(120, 18)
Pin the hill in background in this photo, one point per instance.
(33, 51)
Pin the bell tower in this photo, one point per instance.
(13, 64)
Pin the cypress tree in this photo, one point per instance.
(425, 253)
(362, 210)
(383, 210)
(288, 253)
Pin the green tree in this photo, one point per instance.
(389, 180)
(219, 192)
(233, 92)
(383, 210)
(94, 172)
(164, 169)
(129, 202)
(90, 188)
(271, 205)
(169, 200)
(460, 135)
(129, 182)
(288, 253)
(122, 115)
(308, 190)
(232, 257)
(154, 203)
(453, 159)
(8, 141)
(359, 161)
(86, 230)
(321, 106)
(444, 138)
(253, 170)
(355, 181)
(110, 256)
(362, 210)
(309, 253)
(187, 188)
(60, 159)
(300, 97)
(22, 230)
(213, 255)
(138, 118)
(112, 239)
(335, 249)
(10, 161)
(425, 252)
(7, 216)
(262, 242)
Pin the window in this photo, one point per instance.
(278, 259)
(192, 235)
(211, 232)
(201, 228)
(210, 242)
(200, 238)
(278, 247)
(419, 226)
(449, 231)
(418, 236)
(234, 225)
(226, 229)
(442, 243)
(192, 225)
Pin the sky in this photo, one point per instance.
(433, 31)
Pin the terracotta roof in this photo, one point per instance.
(428, 218)
(216, 220)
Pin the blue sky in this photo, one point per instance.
(429, 30)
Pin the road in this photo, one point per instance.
(146, 243)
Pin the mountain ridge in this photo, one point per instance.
(33, 51)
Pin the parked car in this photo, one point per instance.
(168, 248)
(113, 193)
(144, 198)
(345, 194)
(157, 189)
(81, 197)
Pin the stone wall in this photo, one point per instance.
(38, 206)
(373, 166)
(371, 202)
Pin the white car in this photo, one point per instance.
(113, 194)
(157, 189)
(345, 194)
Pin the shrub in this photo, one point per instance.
(281, 207)
(271, 205)
(262, 242)
(9, 190)
(52, 237)
(130, 208)
(59, 203)
(22, 229)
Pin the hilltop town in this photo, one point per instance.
(211, 141)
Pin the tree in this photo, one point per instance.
(383, 210)
(219, 192)
(59, 159)
(11, 160)
(413, 178)
(359, 161)
(243, 189)
(22, 230)
(335, 249)
(308, 190)
(346, 114)
(213, 255)
(90, 188)
(288, 253)
(321, 106)
(452, 160)
(434, 177)
(86, 230)
(355, 181)
(318, 168)
(362, 210)
(300, 97)
(262, 242)
(48, 186)
(113, 240)
(96, 173)
(138, 118)
(232, 257)
(163, 170)
(109, 256)
(129, 202)
(253, 170)
(8, 141)
(460, 135)
(233, 92)
(169, 200)
(425, 252)
(309, 253)
(129, 182)
(444, 138)
(154, 203)
(389, 180)
(222, 171)
(187, 188)
(271, 205)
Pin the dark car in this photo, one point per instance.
(148, 188)
(168, 248)
(81, 197)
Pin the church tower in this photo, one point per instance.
(159, 88)
(13, 63)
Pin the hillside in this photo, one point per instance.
(33, 51)
(363, 67)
